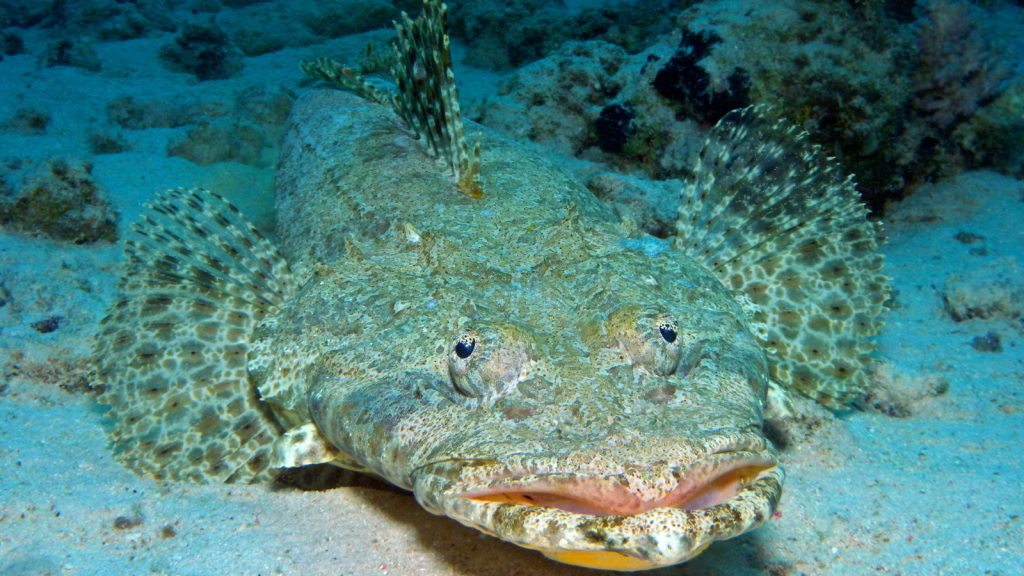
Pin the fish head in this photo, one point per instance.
(611, 424)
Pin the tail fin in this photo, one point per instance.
(171, 355)
(778, 221)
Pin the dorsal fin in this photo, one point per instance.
(427, 98)
(352, 79)
(777, 220)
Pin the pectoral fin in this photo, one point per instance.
(302, 446)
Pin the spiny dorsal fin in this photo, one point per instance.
(427, 98)
(172, 354)
(775, 219)
(352, 79)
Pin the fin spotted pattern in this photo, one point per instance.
(172, 353)
(348, 78)
(777, 220)
(427, 98)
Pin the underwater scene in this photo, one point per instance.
(512, 287)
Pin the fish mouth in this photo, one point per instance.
(718, 479)
(636, 520)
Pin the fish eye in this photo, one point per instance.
(464, 346)
(650, 338)
(668, 332)
(488, 360)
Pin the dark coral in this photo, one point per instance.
(942, 126)
(24, 13)
(341, 18)
(956, 72)
(28, 121)
(506, 34)
(6, 190)
(683, 80)
(614, 127)
(901, 11)
(555, 101)
(11, 43)
(202, 50)
(72, 52)
(107, 143)
(61, 201)
(106, 20)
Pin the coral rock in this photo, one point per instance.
(205, 51)
(994, 291)
(61, 201)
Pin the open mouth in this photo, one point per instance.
(636, 519)
(713, 481)
(622, 519)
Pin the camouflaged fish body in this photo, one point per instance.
(522, 361)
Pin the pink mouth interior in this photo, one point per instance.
(602, 496)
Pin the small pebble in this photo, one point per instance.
(968, 237)
(988, 343)
(48, 325)
(124, 523)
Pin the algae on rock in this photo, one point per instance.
(62, 201)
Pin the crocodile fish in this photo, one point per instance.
(488, 335)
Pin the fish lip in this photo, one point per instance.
(710, 481)
(661, 536)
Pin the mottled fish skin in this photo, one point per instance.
(598, 377)
(486, 333)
